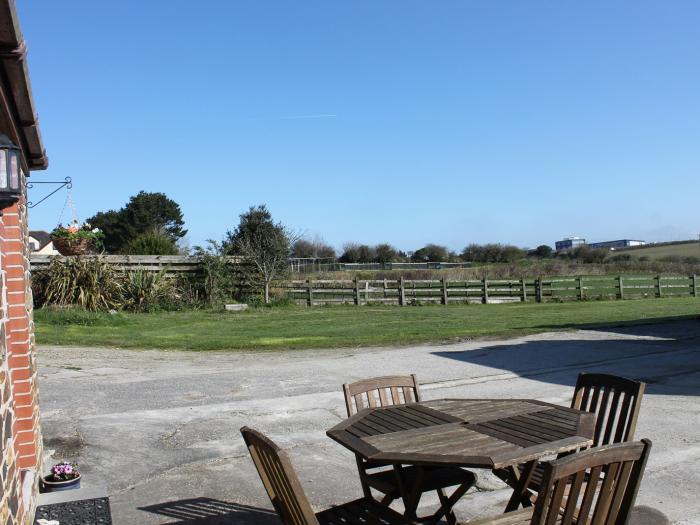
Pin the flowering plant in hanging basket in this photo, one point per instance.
(63, 476)
(76, 239)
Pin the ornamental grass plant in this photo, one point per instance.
(94, 285)
(89, 283)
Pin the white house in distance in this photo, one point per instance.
(620, 243)
(40, 243)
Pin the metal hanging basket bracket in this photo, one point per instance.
(67, 183)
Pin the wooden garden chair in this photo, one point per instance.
(288, 496)
(597, 486)
(614, 400)
(398, 390)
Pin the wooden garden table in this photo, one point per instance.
(474, 433)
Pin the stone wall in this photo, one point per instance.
(20, 436)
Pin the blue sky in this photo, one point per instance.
(371, 121)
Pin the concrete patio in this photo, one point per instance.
(158, 430)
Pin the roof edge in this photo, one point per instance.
(19, 98)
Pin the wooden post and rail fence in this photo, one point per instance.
(403, 291)
(443, 291)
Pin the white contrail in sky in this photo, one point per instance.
(291, 117)
(321, 115)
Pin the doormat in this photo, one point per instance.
(82, 512)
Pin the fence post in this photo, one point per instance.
(523, 290)
(486, 290)
(695, 285)
(581, 295)
(538, 289)
(658, 286)
(310, 298)
(357, 291)
(402, 292)
(621, 286)
(386, 286)
(444, 291)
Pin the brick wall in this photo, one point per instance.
(20, 437)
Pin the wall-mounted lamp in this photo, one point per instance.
(10, 179)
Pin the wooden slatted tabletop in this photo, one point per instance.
(477, 433)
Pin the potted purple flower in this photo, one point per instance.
(64, 476)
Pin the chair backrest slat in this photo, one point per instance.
(615, 402)
(602, 508)
(612, 417)
(380, 392)
(609, 477)
(619, 490)
(588, 495)
(280, 480)
(395, 396)
(572, 499)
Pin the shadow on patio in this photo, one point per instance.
(667, 358)
(207, 511)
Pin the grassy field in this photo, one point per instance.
(691, 249)
(341, 326)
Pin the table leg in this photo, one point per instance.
(520, 492)
(409, 495)
(411, 498)
(447, 503)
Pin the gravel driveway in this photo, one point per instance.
(158, 430)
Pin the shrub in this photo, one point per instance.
(543, 251)
(357, 253)
(151, 243)
(89, 283)
(93, 285)
(316, 249)
(621, 257)
(385, 253)
(217, 280)
(144, 291)
(492, 253)
(430, 253)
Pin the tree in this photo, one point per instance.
(357, 253)
(111, 224)
(351, 253)
(264, 243)
(430, 253)
(492, 253)
(303, 249)
(324, 251)
(385, 253)
(316, 249)
(543, 251)
(366, 253)
(144, 213)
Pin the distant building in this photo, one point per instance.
(40, 243)
(622, 243)
(569, 243)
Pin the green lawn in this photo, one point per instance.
(656, 252)
(341, 326)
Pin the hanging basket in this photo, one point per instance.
(67, 246)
